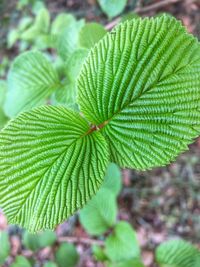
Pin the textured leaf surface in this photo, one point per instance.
(177, 253)
(142, 83)
(66, 255)
(112, 8)
(100, 213)
(49, 166)
(122, 244)
(90, 34)
(30, 80)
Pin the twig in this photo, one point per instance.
(82, 240)
(141, 10)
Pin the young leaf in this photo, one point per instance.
(112, 8)
(90, 34)
(66, 255)
(40, 26)
(60, 22)
(65, 95)
(67, 40)
(100, 213)
(20, 261)
(177, 253)
(42, 20)
(51, 165)
(4, 246)
(122, 244)
(75, 62)
(113, 179)
(12, 38)
(31, 80)
(141, 85)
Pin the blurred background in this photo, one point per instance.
(159, 204)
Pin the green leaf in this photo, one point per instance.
(3, 89)
(50, 264)
(4, 246)
(90, 34)
(31, 241)
(67, 41)
(60, 22)
(40, 26)
(12, 38)
(112, 8)
(113, 179)
(37, 241)
(24, 23)
(141, 86)
(100, 213)
(177, 253)
(51, 165)
(75, 62)
(65, 95)
(99, 253)
(42, 20)
(129, 263)
(31, 80)
(47, 238)
(20, 261)
(122, 244)
(66, 255)
(43, 41)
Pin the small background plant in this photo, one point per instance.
(146, 208)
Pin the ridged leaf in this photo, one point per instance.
(30, 80)
(141, 85)
(50, 166)
(177, 253)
